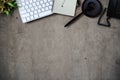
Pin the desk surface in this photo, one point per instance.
(45, 50)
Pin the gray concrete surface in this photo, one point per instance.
(45, 50)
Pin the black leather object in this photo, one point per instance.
(114, 9)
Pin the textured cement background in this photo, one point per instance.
(45, 50)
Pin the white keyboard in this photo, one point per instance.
(34, 9)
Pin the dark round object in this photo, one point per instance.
(92, 8)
